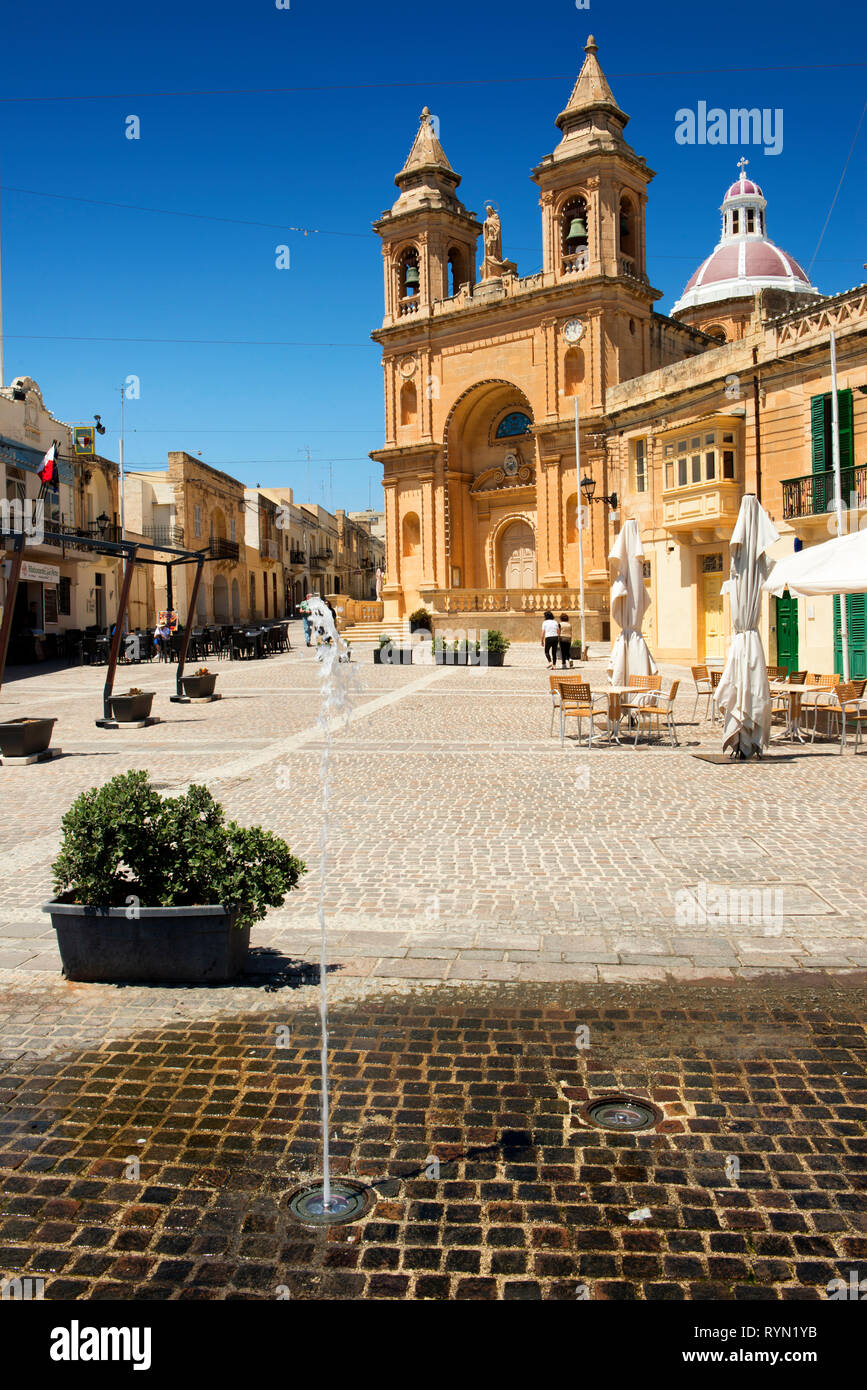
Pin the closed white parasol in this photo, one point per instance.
(630, 655)
(743, 693)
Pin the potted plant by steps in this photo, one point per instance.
(421, 621)
(132, 706)
(498, 645)
(22, 738)
(161, 889)
(200, 684)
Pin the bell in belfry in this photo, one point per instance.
(412, 279)
(577, 229)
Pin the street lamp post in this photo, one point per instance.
(580, 533)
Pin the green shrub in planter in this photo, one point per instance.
(422, 620)
(498, 641)
(123, 839)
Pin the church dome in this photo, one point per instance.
(745, 260)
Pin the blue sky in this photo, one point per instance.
(325, 158)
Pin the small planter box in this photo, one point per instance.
(199, 687)
(132, 709)
(25, 738)
(459, 658)
(394, 656)
(173, 945)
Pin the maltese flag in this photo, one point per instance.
(47, 471)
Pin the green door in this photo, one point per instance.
(856, 616)
(787, 632)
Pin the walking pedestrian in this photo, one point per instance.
(565, 640)
(550, 638)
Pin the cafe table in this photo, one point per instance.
(796, 695)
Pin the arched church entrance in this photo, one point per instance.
(518, 556)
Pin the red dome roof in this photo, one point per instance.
(746, 260)
(743, 188)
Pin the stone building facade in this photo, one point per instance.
(65, 586)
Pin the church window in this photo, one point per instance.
(626, 228)
(751, 220)
(411, 534)
(456, 274)
(736, 221)
(573, 371)
(408, 403)
(516, 422)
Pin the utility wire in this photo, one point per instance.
(277, 226)
(839, 186)
(429, 82)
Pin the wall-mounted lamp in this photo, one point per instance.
(588, 488)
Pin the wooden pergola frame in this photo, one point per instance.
(130, 552)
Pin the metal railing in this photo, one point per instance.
(222, 549)
(815, 493)
(163, 535)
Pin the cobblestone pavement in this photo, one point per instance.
(465, 844)
(156, 1162)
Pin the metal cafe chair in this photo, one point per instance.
(703, 691)
(661, 709)
(850, 698)
(576, 702)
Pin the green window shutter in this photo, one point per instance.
(856, 621)
(847, 441)
(819, 432)
(820, 409)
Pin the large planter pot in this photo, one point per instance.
(177, 945)
(493, 658)
(22, 738)
(130, 709)
(393, 656)
(199, 687)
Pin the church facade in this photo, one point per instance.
(482, 373)
(678, 416)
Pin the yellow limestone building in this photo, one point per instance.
(481, 376)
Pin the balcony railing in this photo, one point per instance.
(815, 494)
(578, 261)
(222, 549)
(409, 305)
(516, 601)
(297, 557)
(60, 533)
(163, 535)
